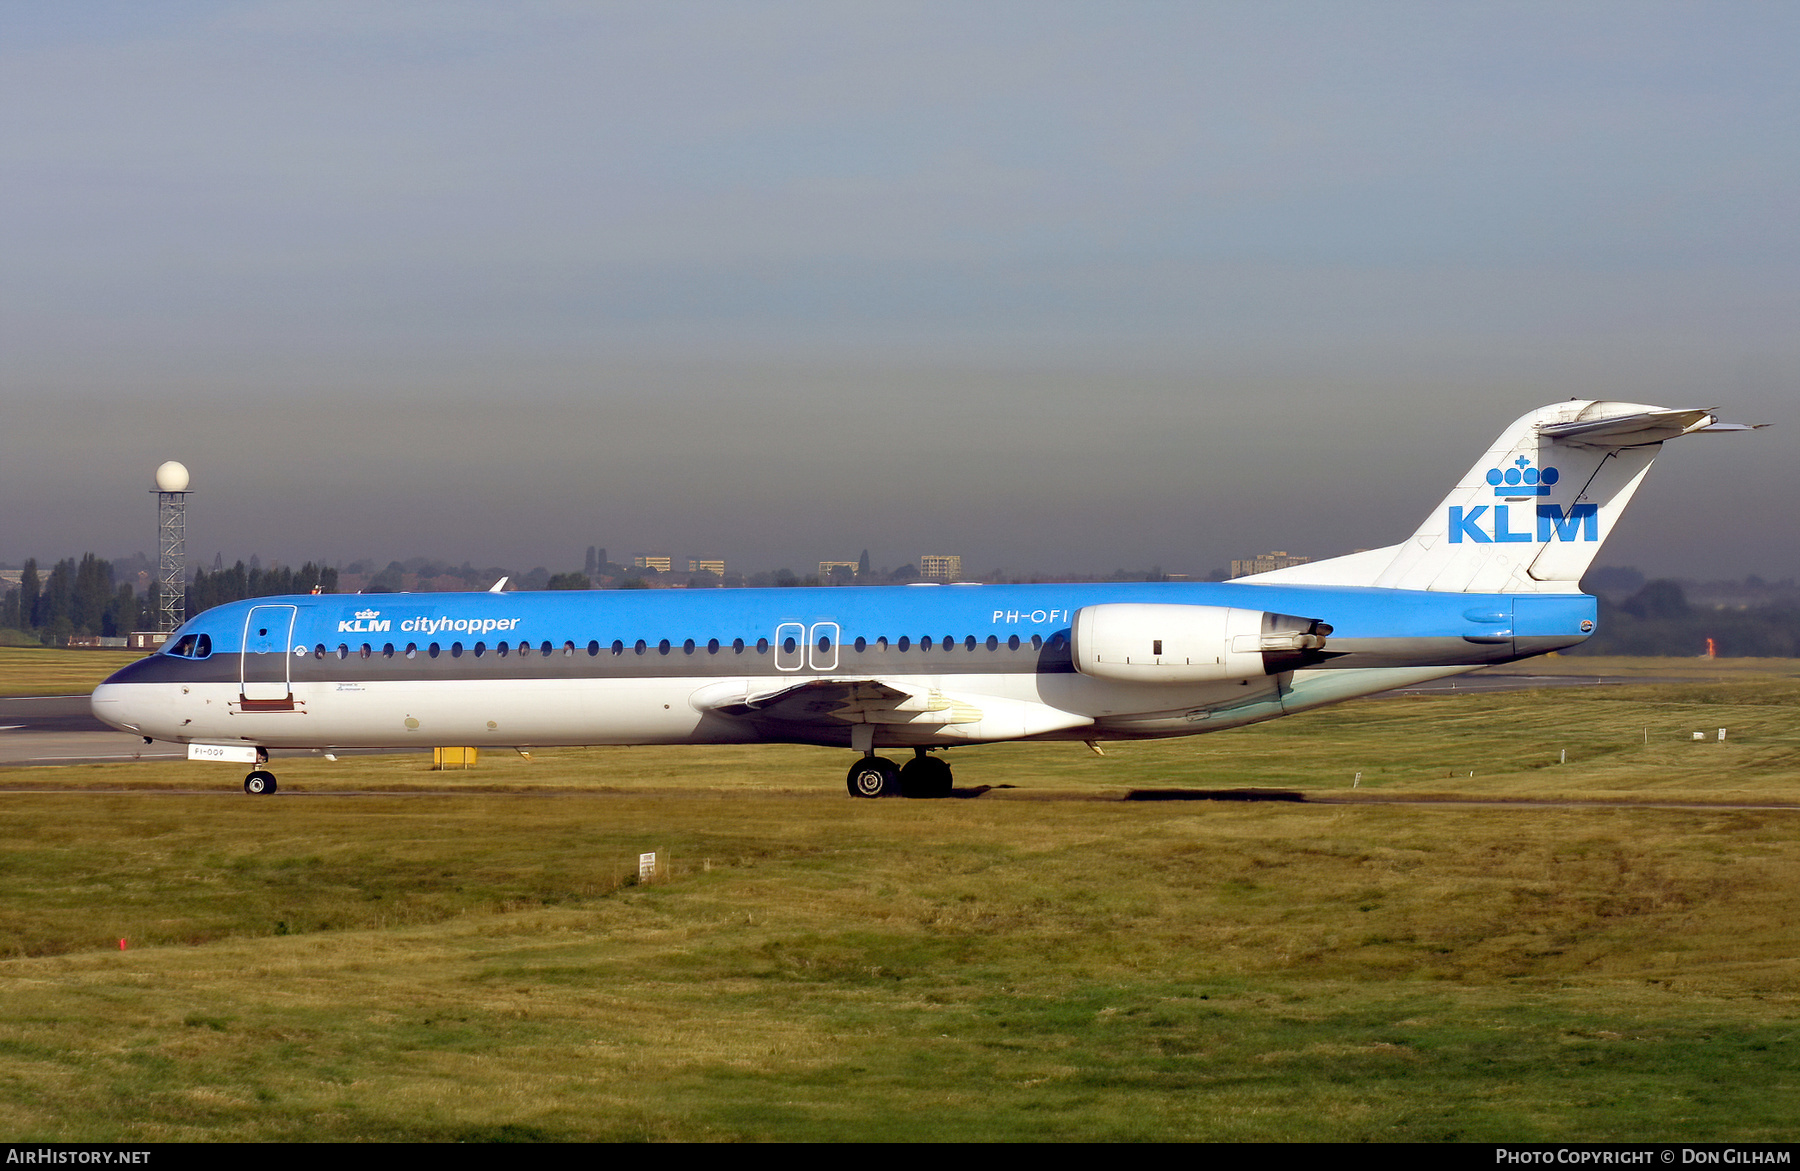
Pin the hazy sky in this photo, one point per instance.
(1055, 286)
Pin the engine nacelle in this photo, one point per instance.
(1131, 643)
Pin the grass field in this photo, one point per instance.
(383, 952)
(45, 671)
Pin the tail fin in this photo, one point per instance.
(1532, 513)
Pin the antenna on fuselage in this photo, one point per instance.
(499, 586)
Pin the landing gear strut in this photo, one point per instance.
(259, 782)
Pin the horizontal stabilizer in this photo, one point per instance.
(1632, 430)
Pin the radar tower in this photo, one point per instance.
(171, 527)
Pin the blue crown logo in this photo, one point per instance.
(1522, 479)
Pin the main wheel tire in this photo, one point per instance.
(259, 783)
(874, 776)
(925, 776)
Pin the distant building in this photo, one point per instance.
(941, 566)
(660, 562)
(704, 566)
(1266, 563)
(837, 571)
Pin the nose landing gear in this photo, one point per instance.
(259, 782)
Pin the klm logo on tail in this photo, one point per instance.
(1522, 479)
(1580, 523)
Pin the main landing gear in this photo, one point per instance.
(877, 776)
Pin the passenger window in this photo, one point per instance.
(904, 642)
(618, 647)
(433, 650)
(412, 650)
(524, 650)
(969, 643)
(824, 643)
(367, 650)
(546, 648)
(593, 647)
(343, 652)
(737, 646)
(387, 650)
(862, 644)
(925, 643)
(319, 651)
(480, 649)
(788, 644)
(641, 646)
(762, 646)
(1012, 644)
(1037, 641)
(662, 648)
(687, 648)
(881, 643)
(456, 650)
(993, 642)
(500, 649)
(712, 646)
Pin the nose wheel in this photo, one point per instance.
(259, 782)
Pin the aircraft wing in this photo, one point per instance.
(839, 701)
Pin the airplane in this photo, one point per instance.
(1491, 576)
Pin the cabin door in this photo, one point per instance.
(265, 667)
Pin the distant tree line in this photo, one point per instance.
(82, 597)
(1659, 620)
(78, 597)
(237, 583)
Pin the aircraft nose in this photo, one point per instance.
(111, 704)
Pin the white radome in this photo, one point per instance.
(172, 477)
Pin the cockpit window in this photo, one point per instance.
(191, 646)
